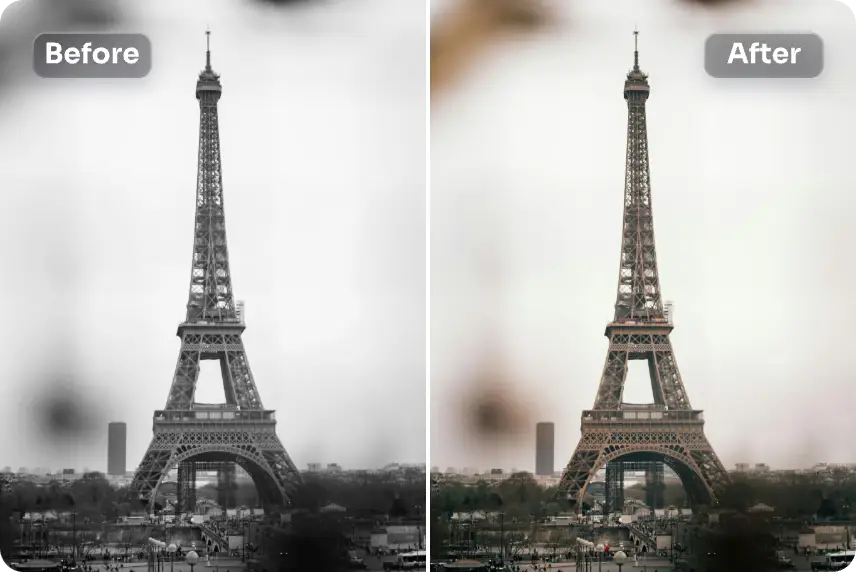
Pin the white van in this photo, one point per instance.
(838, 560)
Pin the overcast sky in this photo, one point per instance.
(753, 198)
(322, 125)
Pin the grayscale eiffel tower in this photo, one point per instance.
(618, 435)
(189, 435)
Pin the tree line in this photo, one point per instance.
(804, 496)
(94, 500)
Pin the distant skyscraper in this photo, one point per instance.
(544, 449)
(116, 437)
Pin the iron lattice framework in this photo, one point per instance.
(655, 485)
(614, 485)
(239, 431)
(669, 431)
(186, 489)
(226, 485)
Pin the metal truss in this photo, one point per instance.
(186, 489)
(654, 482)
(256, 449)
(668, 431)
(239, 431)
(614, 487)
(638, 280)
(211, 295)
(686, 452)
(643, 341)
(225, 481)
(203, 341)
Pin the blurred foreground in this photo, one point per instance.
(335, 524)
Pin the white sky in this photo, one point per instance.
(322, 124)
(753, 200)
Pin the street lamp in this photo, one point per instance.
(192, 558)
(73, 535)
(599, 549)
(620, 558)
(502, 536)
(673, 534)
(172, 549)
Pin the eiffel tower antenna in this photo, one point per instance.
(190, 435)
(617, 435)
(208, 49)
(636, 49)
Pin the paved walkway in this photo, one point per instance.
(222, 565)
(652, 565)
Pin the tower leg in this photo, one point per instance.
(257, 450)
(225, 485)
(186, 487)
(687, 452)
(654, 484)
(614, 487)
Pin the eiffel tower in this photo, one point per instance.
(241, 431)
(669, 431)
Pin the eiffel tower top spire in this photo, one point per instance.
(211, 298)
(635, 50)
(208, 79)
(639, 297)
(208, 50)
(636, 75)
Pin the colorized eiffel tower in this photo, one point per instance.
(618, 435)
(189, 435)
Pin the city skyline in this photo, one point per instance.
(526, 233)
(51, 469)
(308, 467)
(324, 174)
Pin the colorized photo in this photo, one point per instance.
(711, 430)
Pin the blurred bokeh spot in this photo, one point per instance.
(715, 3)
(475, 24)
(471, 26)
(287, 3)
(64, 414)
(492, 409)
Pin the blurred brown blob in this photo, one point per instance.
(474, 25)
(714, 3)
(492, 410)
(471, 27)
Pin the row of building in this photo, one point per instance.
(44, 475)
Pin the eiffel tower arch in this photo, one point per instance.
(240, 431)
(668, 431)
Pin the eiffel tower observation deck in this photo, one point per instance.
(240, 431)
